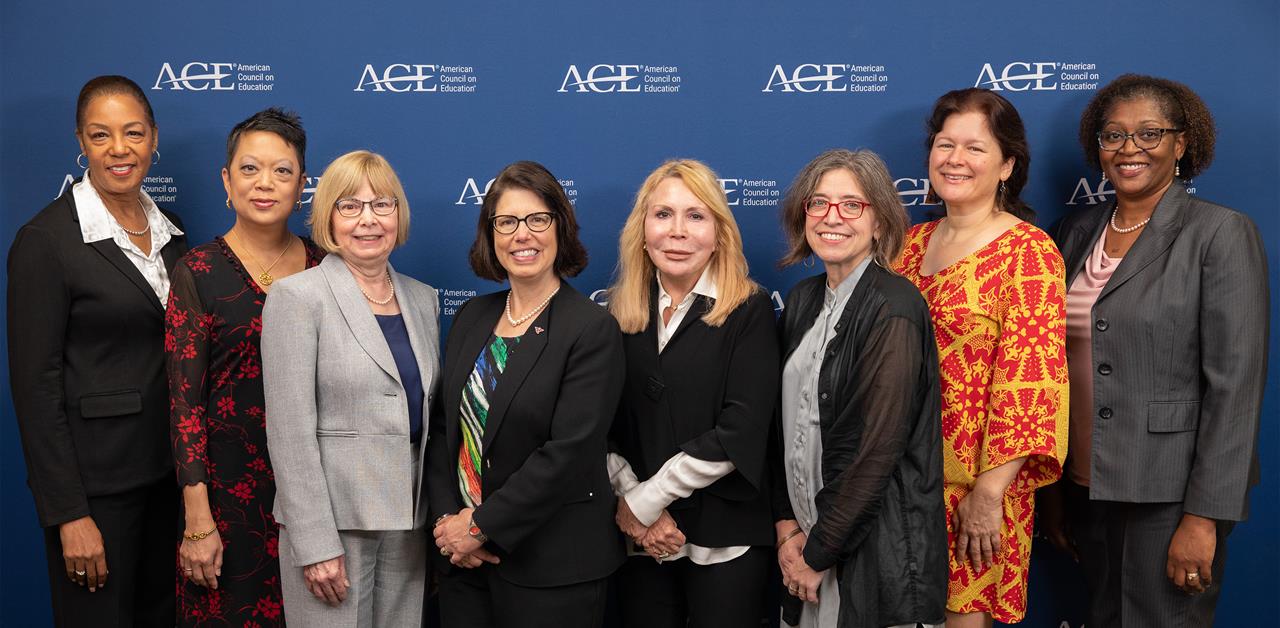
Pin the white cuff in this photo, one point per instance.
(679, 477)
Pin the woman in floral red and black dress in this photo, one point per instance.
(229, 572)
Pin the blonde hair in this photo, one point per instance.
(343, 178)
(629, 294)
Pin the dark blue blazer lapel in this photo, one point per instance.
(519, 365)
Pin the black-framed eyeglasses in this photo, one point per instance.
(352, 207)
(848, 209)
(1144, 139)
(537, 222)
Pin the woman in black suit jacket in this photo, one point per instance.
(693, 426)
(531, 379)
(1166, 345)
(88, 279)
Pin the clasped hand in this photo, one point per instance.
(455, 541)
(798, 577)
(659, 540)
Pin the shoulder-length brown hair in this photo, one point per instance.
(571, 256)
(1005, 124)
(629, 294)
(876, 183)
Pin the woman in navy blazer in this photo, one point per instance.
(1166, 344)
(517, 456)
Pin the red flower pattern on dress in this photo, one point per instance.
(999, 317)
(212, 334)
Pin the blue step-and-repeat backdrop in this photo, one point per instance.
(601, 93)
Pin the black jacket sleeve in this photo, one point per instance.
(884, 403)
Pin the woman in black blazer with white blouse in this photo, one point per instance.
(1166, 344)
(532, 375)
(690, 440)
(88, 280)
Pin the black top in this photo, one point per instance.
(711, 393)
(880, 511)
(86, 364)
(547, 505)
(397, 336)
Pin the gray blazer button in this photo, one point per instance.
(1102, 324)
(1104, 369)
(1105, 413)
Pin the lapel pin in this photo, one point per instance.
(538, 330)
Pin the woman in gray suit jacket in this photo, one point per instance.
(349, 352)
(1166, 342)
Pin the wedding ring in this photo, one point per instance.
(445, 552)
(1193, 575)
(664, 555)
(188, 570)
(81, 573)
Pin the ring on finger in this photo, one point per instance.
(81, 573)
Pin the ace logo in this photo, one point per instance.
(809, 77)
(398, 77)
(1019, 76)
(602, 78)
(196, 76)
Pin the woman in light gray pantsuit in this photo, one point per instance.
(350, 355)
(1166, 346)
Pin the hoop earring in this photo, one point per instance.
(808, 261)
(228, 202)
(78, 158)
(155, 156)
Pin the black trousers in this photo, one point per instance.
(480, 598)
(1123, 551)
(139, 533)
(681, 593)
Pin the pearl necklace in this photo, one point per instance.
(515, 322)
(384, 301)
(1126, 229)
(136, 234)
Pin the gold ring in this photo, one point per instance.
(445, 551)
(1193, 575)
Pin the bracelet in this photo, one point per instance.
(790, 535)
(199, 536)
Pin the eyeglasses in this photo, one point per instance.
(849, 210)
(1144, 139)
(352, 207)
(536, 222)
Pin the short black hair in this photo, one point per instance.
(285, 124)
(571, 256)
(110, 85)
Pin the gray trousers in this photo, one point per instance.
(1123, 549)
(387, 570)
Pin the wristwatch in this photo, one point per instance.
(474, 531)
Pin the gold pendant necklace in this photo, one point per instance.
(264, 277)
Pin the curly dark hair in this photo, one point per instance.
(1177, 102)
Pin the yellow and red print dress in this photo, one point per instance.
(999, 317)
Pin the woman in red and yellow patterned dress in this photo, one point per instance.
(996, 292)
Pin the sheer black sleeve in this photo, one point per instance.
(878, 416)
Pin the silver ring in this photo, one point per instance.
(81, 573)
(188, 570)
(664, 555)
(1193, 575)
(445, 551)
